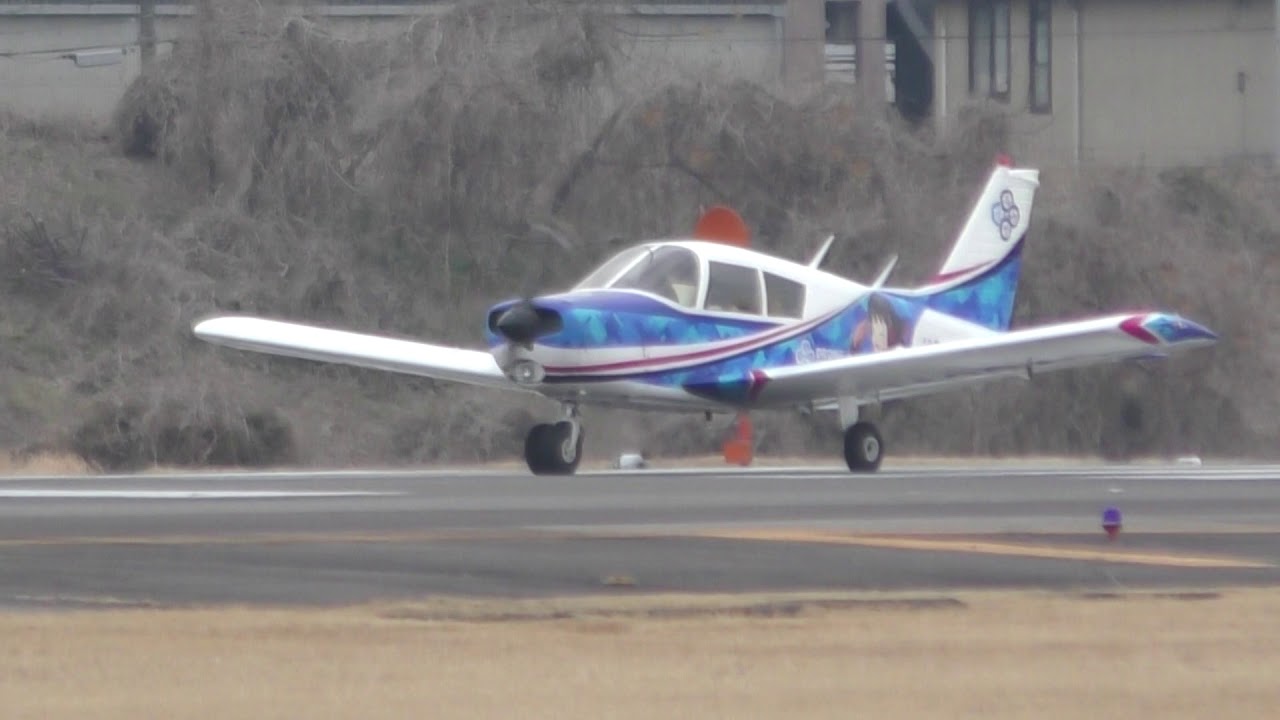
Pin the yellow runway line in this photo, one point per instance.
(987, 547)
(924, 543)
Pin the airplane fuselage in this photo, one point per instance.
(628, 346)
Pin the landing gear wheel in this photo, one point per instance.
(535, 444)
(553, 449)
(863, 447)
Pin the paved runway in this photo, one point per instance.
(339, 537)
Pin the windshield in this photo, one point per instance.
(601, 276)
(671, 272)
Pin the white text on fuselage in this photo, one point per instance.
(806, 353)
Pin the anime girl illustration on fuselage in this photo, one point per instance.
(880, 330)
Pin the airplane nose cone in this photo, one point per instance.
(518, 323)
(523, 323)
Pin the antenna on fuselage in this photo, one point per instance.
(821, 255)
(884, 274)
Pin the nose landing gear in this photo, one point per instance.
(555, 448)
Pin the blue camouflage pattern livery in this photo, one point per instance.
(1173, 329)
(617, 319)
(986, 300)
(612, 318)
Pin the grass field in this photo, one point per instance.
(42, 464)
(996, 656)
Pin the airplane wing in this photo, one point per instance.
(906, 372)
(369, 351)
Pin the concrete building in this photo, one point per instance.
(1155, 82)
(1150, 82)
(1126, 82)
(77, 57)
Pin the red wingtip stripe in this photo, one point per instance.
(1134, 327)
(1004, 160)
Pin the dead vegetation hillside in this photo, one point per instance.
(400, 185)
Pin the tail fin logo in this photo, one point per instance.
(1005, 214)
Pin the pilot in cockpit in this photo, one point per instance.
(683, 282)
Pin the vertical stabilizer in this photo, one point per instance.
(996, 225)
(979, 279)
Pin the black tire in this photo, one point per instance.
(863, 447)
(535, 448)
(547, 450)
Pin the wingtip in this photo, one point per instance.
(201, 328)
(217, 326)
(1166, 328)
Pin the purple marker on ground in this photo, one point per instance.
(1112, 522)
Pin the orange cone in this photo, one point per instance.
(738, 450)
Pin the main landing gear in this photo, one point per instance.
(555, 448)
(863, 447)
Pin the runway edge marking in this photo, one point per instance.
(986, 547)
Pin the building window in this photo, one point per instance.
(1041, 95)
(989, 48)
(841, 47)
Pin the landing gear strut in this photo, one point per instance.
(863, 447)
(555, 448)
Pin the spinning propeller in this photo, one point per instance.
(523, 322)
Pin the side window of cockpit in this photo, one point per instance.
(785, 297)
(733, 288)
(671, 272)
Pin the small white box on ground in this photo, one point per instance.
(631, 461)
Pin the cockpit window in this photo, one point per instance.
(669, 271)
(733, 288)
(786, 297)
(601, 276)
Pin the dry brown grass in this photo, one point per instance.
(42, 464)
(1003, 656)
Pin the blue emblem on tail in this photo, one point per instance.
(1006, 215)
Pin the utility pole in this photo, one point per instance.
(147, 31)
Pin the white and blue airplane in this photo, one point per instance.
(705, 324)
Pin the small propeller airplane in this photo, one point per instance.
(705, 324)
